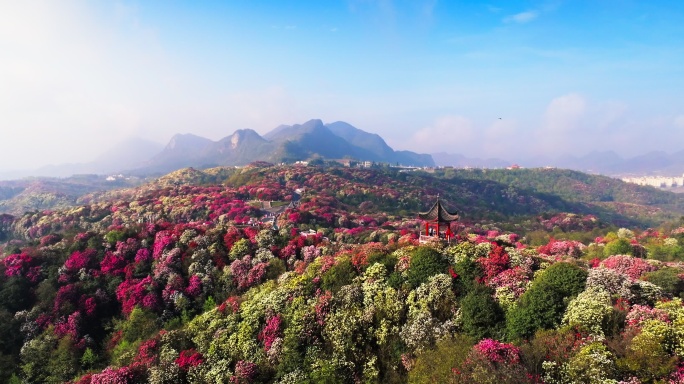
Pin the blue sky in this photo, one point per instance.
(429, 76)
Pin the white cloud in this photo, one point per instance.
(562, 126)
(71, 83)
(564, 113)
(450, 134)
(610, 115)
(522, 17)
(679, 121)
(493, 9)
(500, 138)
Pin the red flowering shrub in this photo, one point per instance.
(112, 264)
(79, 260)
(495, 263)
(194, 286)
(138, 292)
(66, 296)
(189, 358)
(50, 239)
(21, 265)
(231, 237)
(147, 352)
(232, 303)
(270, 331)
(245, 372)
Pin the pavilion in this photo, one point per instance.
(436, 218)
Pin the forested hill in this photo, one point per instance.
(605, 194)
(494, 195)
(188, 280)
(489, 195)
(569, 185)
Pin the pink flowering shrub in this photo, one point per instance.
(143, 255)
(70, 327)
(491, 361)
(498, 352)
(630, 266)
(640, 313)
(677, 377)
(310, 253)
(563, 248)
(571, 222)
(161, 241)
(123, 375)
(245, 275)
(515, 280)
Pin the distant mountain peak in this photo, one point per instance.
(186, 140)
(285, 143)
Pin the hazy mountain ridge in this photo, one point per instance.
(285, 143)
(37, 194)
(126, 154)
(314, 139)
(598, 162)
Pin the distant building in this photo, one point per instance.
(347, 162)
(657, 181)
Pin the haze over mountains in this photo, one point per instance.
(286, 143)
(316, 140)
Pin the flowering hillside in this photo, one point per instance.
(174, 282)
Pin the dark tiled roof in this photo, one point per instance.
(438, 212)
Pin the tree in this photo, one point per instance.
(481, 314)
(542, 306)
(436, 365)
(425, 263)
(619, 246)
(668, 279)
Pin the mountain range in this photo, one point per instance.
(316, 140)
(285, 143)
(606, 163)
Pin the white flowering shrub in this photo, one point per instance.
(590, 310)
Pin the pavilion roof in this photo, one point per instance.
(439, 213)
